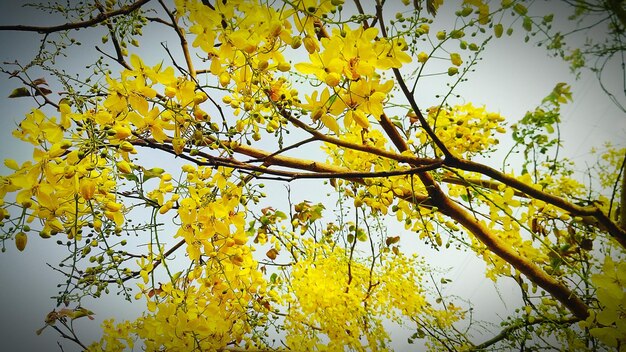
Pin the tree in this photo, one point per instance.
(251, 88)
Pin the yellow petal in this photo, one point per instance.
(87, 188)
(330, 122)
(124, 167)
(11, 164)
(360, 119)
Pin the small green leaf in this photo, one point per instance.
(361, 235)
(20, 92)
(152, 173)
(130, 177)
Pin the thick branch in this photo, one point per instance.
(502, 249)
(605, 222)
(622, 199)
(77, 25)
(183, 40)
(476, 182)
(393, 134)
(409, 159)
(436, 197)
(317, 169)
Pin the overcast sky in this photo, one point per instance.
(512, 78)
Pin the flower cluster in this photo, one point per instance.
(466, 130)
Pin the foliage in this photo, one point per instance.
(594, 42)
(252, 87)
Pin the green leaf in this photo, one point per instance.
(20, 92)
(361, 235)
(152, 173)
(130, 177)
(548, 18)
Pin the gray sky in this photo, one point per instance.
(512, 78)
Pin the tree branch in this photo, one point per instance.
(183, 40)
(617, 8)
(317, 169)
(558, 290)
(77, 25)
(611, 227)
(448, 207)
(409, 159)
(507, 331)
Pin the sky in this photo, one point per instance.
(511, 79)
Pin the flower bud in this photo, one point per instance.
(310, 44)
(20, 241)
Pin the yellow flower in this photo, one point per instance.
(87, 188)
(422, 57)
(11, 164)
(121, 132)
(333, 79)
(153, 121)
(113, 206)
(456, 59)
(124, 167)
(330, 122)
